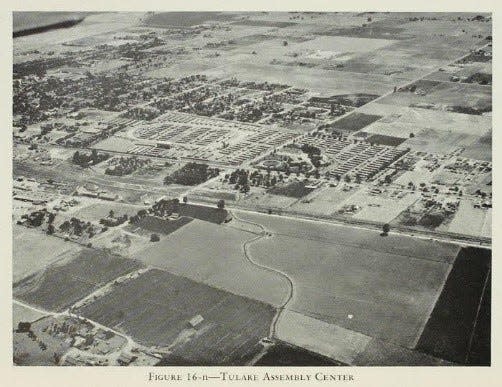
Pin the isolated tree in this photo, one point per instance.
(111, 214)
(50, 229)
(185, 199)
(385, 229)
(221, 204)
(154, 238)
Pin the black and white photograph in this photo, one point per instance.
(251, 188)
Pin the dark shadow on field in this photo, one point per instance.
(458, 329)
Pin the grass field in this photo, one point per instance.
(212, 254)
(160, 305)
(62, 284)
(33, 250)
(388, 284)
(356, 121)
(448, 331)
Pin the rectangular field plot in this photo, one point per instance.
(383, 208)
(356, 121)
(62, 284)
(150, 224)
(471, 221)
(318, 336)
(161, 305)
(481, 149)
(449, 329)
(33, 250)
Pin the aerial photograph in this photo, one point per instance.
(251, 188)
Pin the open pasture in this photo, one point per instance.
(213, 254)
(389, 284)
(160, 306)
(322, 82)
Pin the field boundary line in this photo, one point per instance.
(471, 338)
(422, 326)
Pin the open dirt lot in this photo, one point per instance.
(33, 250)
(471, 221)
(373, 207)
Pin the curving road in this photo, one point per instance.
(247, 254)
